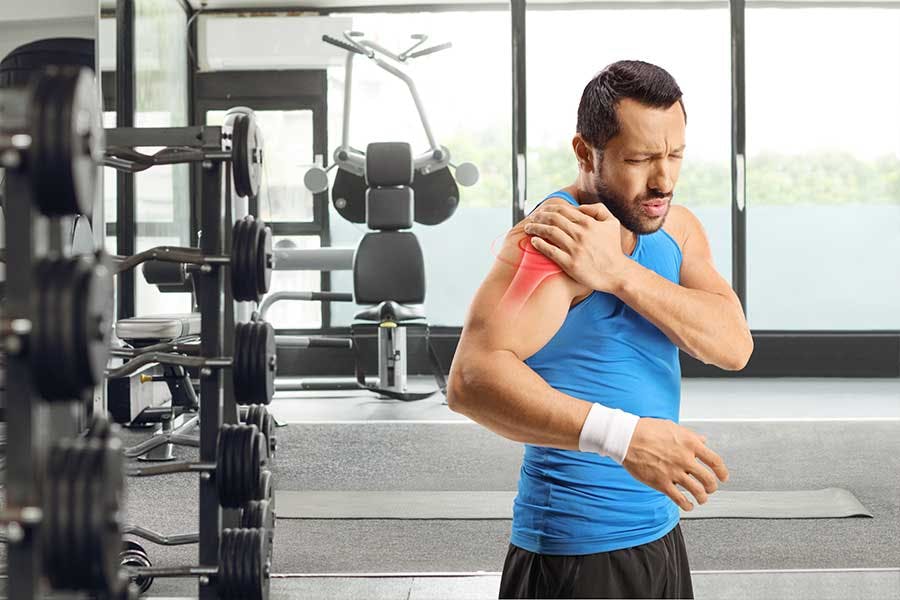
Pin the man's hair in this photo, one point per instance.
(646, 83)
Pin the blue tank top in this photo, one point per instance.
(572, 502)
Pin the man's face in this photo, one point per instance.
(640, 165)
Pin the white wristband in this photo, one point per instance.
(608, 432)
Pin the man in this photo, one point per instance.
(571, 347)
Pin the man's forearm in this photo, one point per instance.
(502, 393)
(709, 327)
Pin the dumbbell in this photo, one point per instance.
(240, 456)
(251, 259)
(67, 336)
(53, 128)
(242, 573)
(253, 366)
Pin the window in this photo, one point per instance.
(823, 207)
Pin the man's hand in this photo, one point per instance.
(585, 242)
(663, 453)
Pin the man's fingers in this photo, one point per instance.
(597, 211)
(694, 487)
(704, 476)
(551, 252)
(553, 234)
(569, 212)
(714, 461)
(677, 497)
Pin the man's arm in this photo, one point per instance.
(702, 316)
(490, 383)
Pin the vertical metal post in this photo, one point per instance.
(210, 289)
(520, 147)
(21, 398)
(125, 109)
(738, 155)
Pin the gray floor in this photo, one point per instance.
(783, 434)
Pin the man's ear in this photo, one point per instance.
(584, 154)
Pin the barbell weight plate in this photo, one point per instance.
(255, 154)
(242, 387)
(109, 486)
(44, 347)
(251, 260)
(248, 364)
(253, 467)
(71, 319)
(134, 555)
(238, 240)
(264, 261)
(69, 138)
(266, 489)
(240, 162)
(243, 270)
(226, 577)
(269, 430)
(223, 466)
(259, 416)
(43, 117)
(269, 358)
(97, 301)
(56, 461)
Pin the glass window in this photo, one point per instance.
(823, 156)
(162, 194)
(287, 138)
(465, 91)
(598, 37)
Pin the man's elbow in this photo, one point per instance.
(741, 357)
(459, 384)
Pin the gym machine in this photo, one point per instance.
(388, 189)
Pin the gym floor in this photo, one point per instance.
(832, 433)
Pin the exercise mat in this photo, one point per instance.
(826, 503)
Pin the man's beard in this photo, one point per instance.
(631, 213)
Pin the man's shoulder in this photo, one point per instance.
(679, 223)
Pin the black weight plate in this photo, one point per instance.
(258, 556)
(98, 311)
(226, 577)
(257, 458)
(57, 380)
(110, 486)
(241, 565)
(248, 287)
(62, 149)
(43, 343)
(240, 158)
(266, 488)
(348, 194)
(94, 513)
(245, 482)
(40, 323)
(75, 530)
(268, 357)
(75, 309)
(55, 468)
(246, 365)
(259, 416)
(252, 363)
(238, 274)
(436, 196)
(255, 153)
(264, 261)
(223, 465)
(239, 362)
(251, 261)
(269, 430)
(68, 319)
(42, 138)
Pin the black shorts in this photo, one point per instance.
(657, 569)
